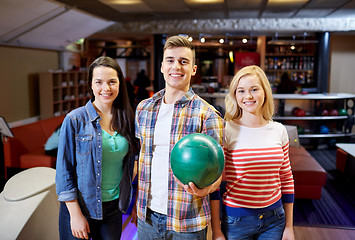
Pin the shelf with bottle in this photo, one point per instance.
(300, 63)
(299, 68)
(296, 57)
(299, 79)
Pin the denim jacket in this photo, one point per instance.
(79, 163)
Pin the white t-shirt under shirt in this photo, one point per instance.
(158, 195)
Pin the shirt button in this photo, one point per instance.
(98, 174)
(98, 200)
(99, 146)
(98, 161)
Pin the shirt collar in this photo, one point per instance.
(189, 95)
(93, 115)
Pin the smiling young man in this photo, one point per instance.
(165, 208)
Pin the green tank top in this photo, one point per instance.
(114, 149)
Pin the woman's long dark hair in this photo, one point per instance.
(122, 113)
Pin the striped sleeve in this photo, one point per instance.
(286, 177)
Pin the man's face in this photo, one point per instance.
(178, 67)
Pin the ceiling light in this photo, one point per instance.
(203, 40)
(221, 40)
(293, 47)
(287, 1)
(203, 1)
(128, 5)
(122, 2)
(287, 4)
(244, 40)
(190, 39)
(80, 41)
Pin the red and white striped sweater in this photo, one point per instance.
(257, 167)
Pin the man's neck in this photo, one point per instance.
(172, 95)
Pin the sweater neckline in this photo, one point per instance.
(242, 126)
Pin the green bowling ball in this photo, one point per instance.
(343, 112)
(197, 158)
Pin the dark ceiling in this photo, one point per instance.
(56, 24)
(147, 10)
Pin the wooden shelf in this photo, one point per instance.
(61, 92)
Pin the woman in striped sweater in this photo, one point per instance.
(258, 201)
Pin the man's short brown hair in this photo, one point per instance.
(180, 41)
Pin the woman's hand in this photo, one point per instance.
(218, 235)
(78, 223)
(79, 226)
(288, 234)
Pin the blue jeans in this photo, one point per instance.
(109, 228)
(155, 228)
(265, 226)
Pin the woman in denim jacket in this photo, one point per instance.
(95, 158)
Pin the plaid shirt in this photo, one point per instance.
(192, 114)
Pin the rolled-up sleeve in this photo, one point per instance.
(66, 184)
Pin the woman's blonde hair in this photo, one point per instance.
(233, 111)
